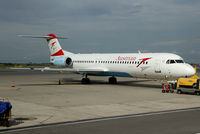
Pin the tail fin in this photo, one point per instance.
(54, 46)
(53, 43)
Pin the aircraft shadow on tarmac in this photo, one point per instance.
(69, 81)
(134, 83)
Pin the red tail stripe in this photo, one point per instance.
(52, 35)
(59, 53)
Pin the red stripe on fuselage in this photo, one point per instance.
(59, 53)
(143, 60)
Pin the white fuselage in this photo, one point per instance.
(139, 65)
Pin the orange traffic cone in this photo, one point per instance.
(13, 84)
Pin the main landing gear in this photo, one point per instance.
(85, 80)
(112, 80)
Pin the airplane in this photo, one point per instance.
(161, 66)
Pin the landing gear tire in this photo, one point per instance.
(179, 92)
(85, 81)
(112, 80)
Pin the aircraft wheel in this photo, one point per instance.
(85, 81)
(112, 80)
(179, 92)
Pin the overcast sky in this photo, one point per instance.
(100, 26)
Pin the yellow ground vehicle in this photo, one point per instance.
(186, 82)
(188, 85)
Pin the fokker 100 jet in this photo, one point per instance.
(163, 66)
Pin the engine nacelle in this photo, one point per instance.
(63, 61)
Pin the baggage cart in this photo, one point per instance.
(5, 112)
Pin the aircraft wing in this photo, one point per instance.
(85, 70)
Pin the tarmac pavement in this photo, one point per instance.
(38, 99)
(184, 121)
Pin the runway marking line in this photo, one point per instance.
(98, 119)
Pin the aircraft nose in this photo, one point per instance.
(190, 71)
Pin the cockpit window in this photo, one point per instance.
(174, 61)
(179, 61)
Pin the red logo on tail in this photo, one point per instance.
(52, 44)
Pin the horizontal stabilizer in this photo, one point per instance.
(46, 37)
(53, 44)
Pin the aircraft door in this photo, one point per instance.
(157, 67)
